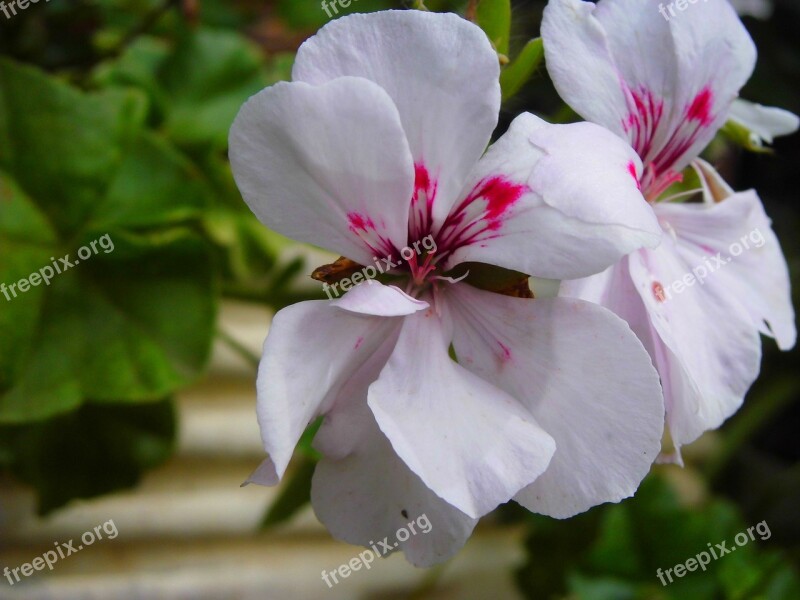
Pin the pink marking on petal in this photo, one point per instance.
(663, 145)
(483, 210)
(701, 106)
(420, 218)
(359, 222)
(506, 351)
(658, 292)
(422, 180)
(644, 116)
(632, 171)
(359, 342)
(364, 228)
(500, 196)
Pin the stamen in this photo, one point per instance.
(686, 194)
(450, 279)
(420, 272)
(655, 183)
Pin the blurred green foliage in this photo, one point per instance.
(615, 553)
(126, 138)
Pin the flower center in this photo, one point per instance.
(420, 271)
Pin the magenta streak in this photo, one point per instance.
(506, 351)
(421, 217)
(359, 221)
(364, 228)
(659, 170)
(699, 117)
(643, 118)
(462, 229)
(680, 142)
(700, 109)
(632, 171)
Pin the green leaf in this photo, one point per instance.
(25, 235)
(294, 495)
(494, 17)
(586, 588)
(137, 67)
(195, 87)
(154, 186)
(89, 452)
(118, 339)
(133, 320)
(742, 136)
(517, 74)
(62, 146)
(617, 551)
(206, 80)
(310, 15)
(249, 250)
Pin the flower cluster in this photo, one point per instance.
(441, 395)
(668, 93)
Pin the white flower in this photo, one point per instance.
(667, 87)
(379, 142)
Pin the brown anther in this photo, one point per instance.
(336, 271)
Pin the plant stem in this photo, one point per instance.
(239, 348)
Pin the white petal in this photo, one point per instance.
(754, 274)
(311, 351)
(715, 188)
(760, 9)
(664, 82)
(363, 492)
(613, 289)
(573, 36)
(713, 351)
(363, 498)
(715, 53)
(471, 443)
(374, 298)
(555, 201)
(764, 122)
(587, 380)
(265, 474)
(328, 165)
(439, 69)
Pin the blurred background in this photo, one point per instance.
(127, 384)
